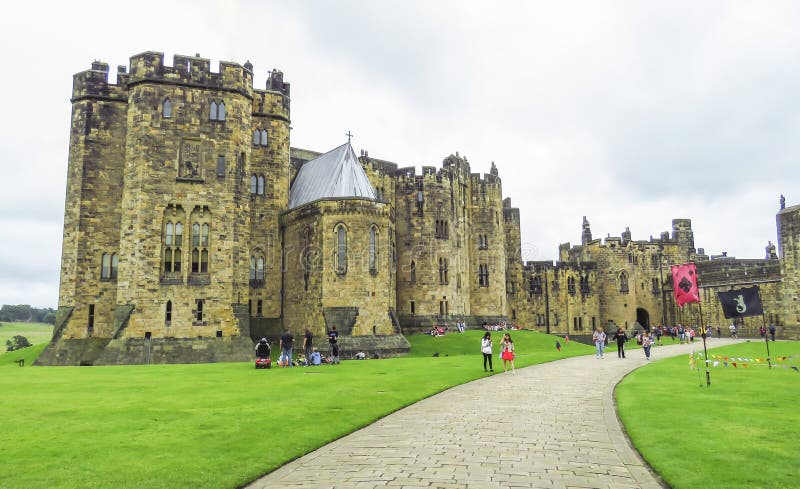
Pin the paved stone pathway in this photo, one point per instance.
(552, 426)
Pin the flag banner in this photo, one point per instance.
(741, 302)
(684, 283)
(738, 362)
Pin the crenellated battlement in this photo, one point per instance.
(190, 70)
(93, 83)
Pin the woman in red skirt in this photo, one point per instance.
(507, 352)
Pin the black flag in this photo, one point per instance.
(741, 303)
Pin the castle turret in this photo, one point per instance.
(587, 232)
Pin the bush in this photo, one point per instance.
(18, 342)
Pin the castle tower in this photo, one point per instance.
(788, 224)
(586, 236)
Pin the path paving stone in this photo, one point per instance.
(552, 426)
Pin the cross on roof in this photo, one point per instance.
(348, 136)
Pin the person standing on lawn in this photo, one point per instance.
(621, 338)
(286, 343)
(599, 339)
(772, 331)
(507, 349)
(647, 342)
(486, 349)
(307, 349)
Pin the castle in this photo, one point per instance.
(192, 226)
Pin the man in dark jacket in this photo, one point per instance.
(621, 338)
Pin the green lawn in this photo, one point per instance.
(35, 332)
(212, 425)
(741, 432)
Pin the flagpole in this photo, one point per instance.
(703, 332)
(764, 322)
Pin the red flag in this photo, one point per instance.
(684, 282)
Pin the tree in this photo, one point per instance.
(17, 343)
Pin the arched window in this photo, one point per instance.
(196, 234)
(263, 137)
(256, 137)
(166, 109)
(114, 265)
(173, 236)
(195, 260)
(204, 261)
(204, 236)
(413, 275)
(341, 250)
(260, 185)
(253, 185)
(373, 250)
(623, 282)
(105, 266)
(260, 268)
(212, 113)
(198, 311)
(221, 111)
(168, 313)
(252, 268)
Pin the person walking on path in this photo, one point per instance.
(719, 332)
(507, 345)
(658, 335)
(307, 340)
(486, 349)
(599, 339)
(286, 343)
(772, 331)
(647, 342)
(732, 327)
(621, 338)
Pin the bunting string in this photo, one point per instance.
(787, 362)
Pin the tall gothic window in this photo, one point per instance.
(443, 266)
(220, 166)
(114, 265)
(571, 285)
(413, 275)
(260, 189)
(168, 313)
(221, 111)
(200, 234)
(373, 252)
(212, 112)
(263, 137)
(341, 250)
(166, 109)
(623, 282)
(256, 137)
(536, 285)
(483, 275)
(173, 235)
(253, 185)
(105, 266)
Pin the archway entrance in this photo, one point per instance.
(643, 318)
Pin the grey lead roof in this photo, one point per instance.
(336, 173)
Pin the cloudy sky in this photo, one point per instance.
(631, 113)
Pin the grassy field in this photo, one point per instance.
(741, 432)
(35, 332)
(212, 425)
